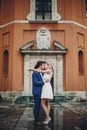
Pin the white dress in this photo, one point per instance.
(47, 88)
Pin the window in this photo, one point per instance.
(43, 9)
(5, 63)
(81, 65)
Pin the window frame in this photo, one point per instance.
(55, 15)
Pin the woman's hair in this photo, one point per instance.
(50, 67)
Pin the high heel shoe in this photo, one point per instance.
(46, 122)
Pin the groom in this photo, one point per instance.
(37, 84)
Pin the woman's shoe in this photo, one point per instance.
(46, 122)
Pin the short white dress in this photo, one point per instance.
(47, 88)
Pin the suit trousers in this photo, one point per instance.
(37, 101)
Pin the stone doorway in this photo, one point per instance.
(55, 58)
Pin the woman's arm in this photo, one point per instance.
(31, 69)
(41, 71)
(45, 71)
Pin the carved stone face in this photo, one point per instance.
(43, 39)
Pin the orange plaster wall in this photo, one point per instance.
(85, 62)
(6, 44)
(21, 9)
(74, 81)
(23, 33)
(15, 10)
(72, 10)
(18, 75)
(7, 11)
(64, 35)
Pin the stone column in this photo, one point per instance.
(60, 74)
(55, 66)
(26, 76)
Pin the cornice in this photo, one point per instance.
(31, 22)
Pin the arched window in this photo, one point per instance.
(5, 63)
(80, 63)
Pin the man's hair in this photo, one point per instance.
(39, 63)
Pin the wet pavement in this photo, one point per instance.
(9, 117)
(64, 116)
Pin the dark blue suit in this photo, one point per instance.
(37, 83)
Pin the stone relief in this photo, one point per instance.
(43, 38)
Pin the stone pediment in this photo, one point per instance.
(59, 48)
(27, 46)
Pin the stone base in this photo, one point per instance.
(59, 98)
(19, 97)
(24, 99)
(10, 96)
(76, 95)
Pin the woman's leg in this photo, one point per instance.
(48, 105)
(45, 109)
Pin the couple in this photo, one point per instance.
(42, 90)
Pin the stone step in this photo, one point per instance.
(28, 99)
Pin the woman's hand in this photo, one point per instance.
(46, 80)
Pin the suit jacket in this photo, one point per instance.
(37, 83)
